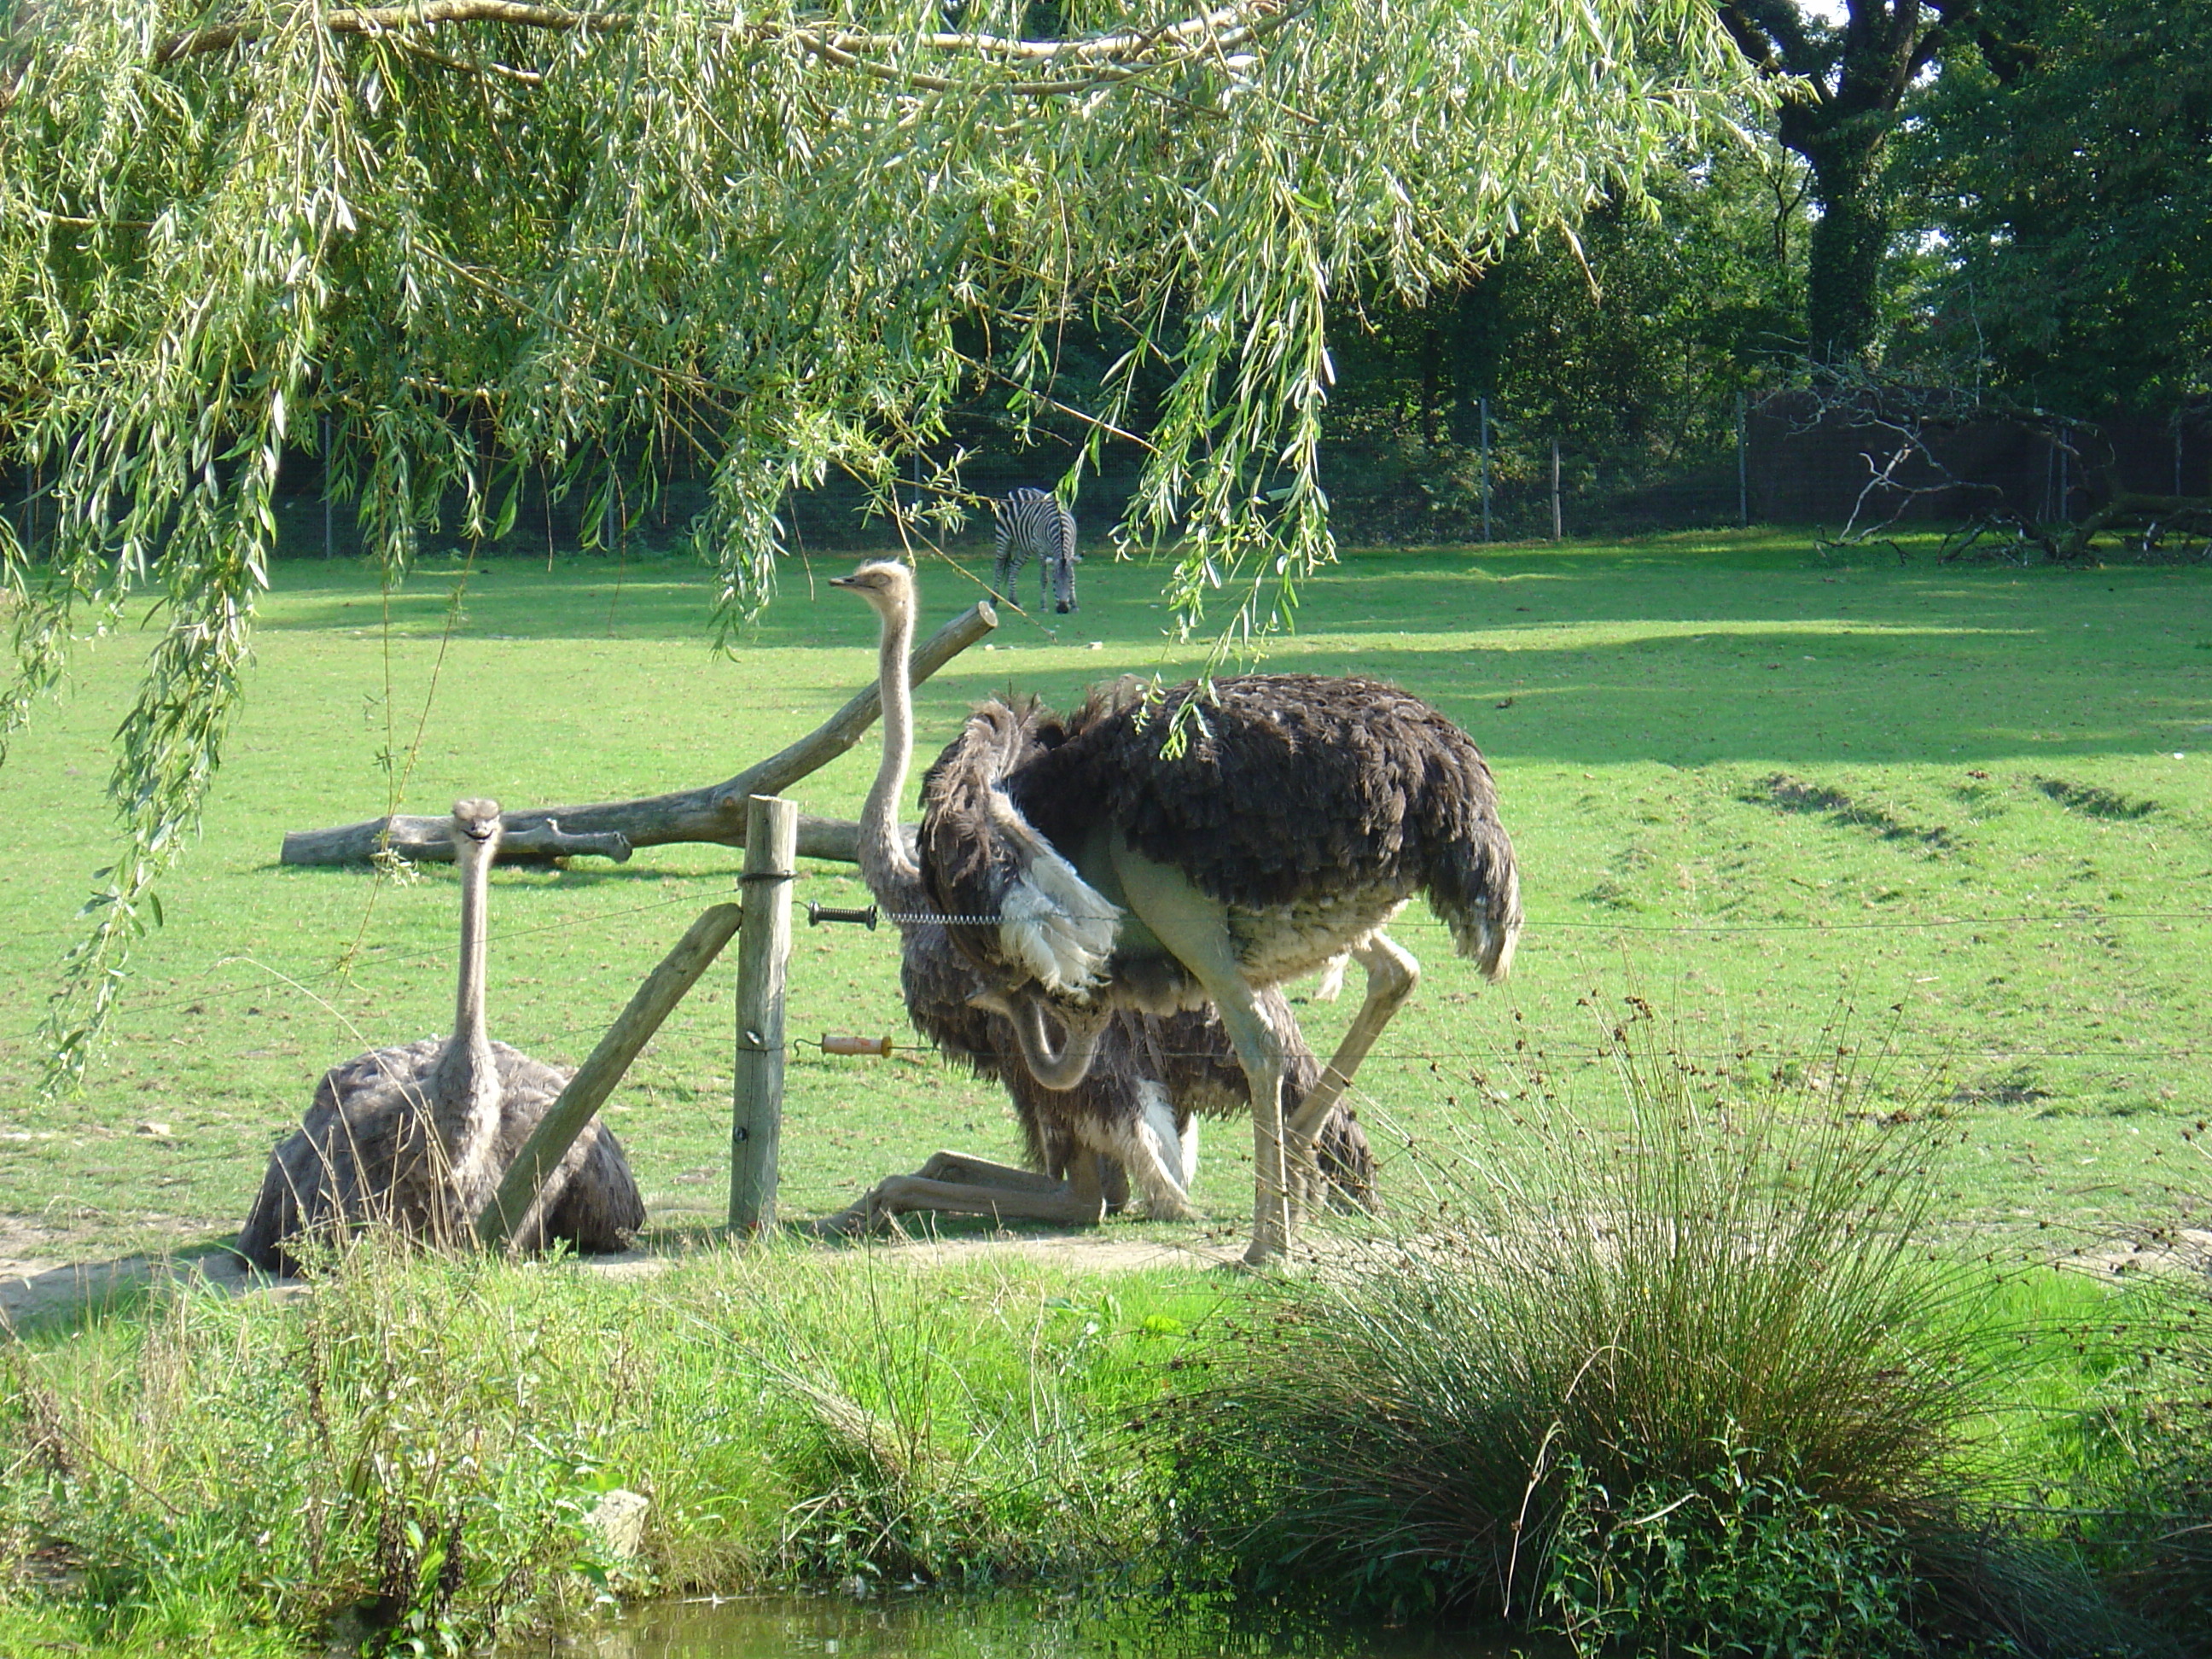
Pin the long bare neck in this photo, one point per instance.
(467, 1087)
(886, 864)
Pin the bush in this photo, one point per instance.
(1690, 1374)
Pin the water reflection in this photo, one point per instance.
(1001, 1626)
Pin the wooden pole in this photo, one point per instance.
(596, 1078)
(764, 948)
(715, 814)
(1743, 459)
(1557, 532)
(1484, 404)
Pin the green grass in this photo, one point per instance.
(1747, 783)
(219, 1475)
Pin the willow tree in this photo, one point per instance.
(445, 242)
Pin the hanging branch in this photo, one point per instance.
(714, 815)
(774, 242)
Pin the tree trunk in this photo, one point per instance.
(1843, 255)
(713, 815)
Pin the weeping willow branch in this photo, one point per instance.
(442, 247)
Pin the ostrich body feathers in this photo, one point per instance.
(366, 1154)
(1312, 809)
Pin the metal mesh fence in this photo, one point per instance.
(1781, 458)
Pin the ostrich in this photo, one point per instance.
(419, 1136)
(1131, 1117)
(1294, 820)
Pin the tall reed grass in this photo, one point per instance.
(1685, 1368)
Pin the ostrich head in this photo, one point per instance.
(1063, 1064)
(475, 823)
(885, 584)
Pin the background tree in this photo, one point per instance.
(480, 236)
(2069, 183)
(1628, 340)
(1853, 79)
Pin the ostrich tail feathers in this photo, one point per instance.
(1490, 932)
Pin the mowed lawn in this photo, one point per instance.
(1973, 806)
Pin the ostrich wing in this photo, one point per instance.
(983, 857)
(1290, 789)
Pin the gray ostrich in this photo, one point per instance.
(417, 1137)
(1297, 818)
(1131, 1117)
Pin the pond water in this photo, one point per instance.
(998, 1626)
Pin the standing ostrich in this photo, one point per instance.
(418, 1136)
(1295, 819)
(1131, 1117)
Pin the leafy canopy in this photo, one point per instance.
(463, 238)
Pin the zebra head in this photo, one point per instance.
(1060, 570)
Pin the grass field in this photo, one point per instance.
(1747, 784)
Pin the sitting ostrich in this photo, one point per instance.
(1131, 1117)
(418, 1136)
(1294, 820)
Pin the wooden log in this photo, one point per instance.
(595, 1079)
(763, 952)
(715, 814)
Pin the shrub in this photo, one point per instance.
(1690, 1357)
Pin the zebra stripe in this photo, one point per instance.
(1034, 522)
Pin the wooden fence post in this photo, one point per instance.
(1558, 533)
(764, 949)
(1483, 403)
(1743, 459)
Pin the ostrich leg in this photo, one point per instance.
(954, 1184)
(1392, 973)
(1194, 930)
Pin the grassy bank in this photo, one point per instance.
(1827, 1438)
(425, 1441)
(1683, 1362)
(1745, 780)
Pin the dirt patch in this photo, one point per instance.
(2096, 802)
(35, 1291)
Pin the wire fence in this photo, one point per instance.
(1503, 474)
(263, 979)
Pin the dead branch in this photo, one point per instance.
(714, 815)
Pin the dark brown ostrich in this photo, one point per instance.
(1130, 1119)
(1296, 816)
(417, 1137)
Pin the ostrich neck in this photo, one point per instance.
(467, 1089)
(886, 864)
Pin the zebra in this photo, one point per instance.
(1035, 521)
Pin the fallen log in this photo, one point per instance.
(714, 815)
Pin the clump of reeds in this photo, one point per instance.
(1690, 1349)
